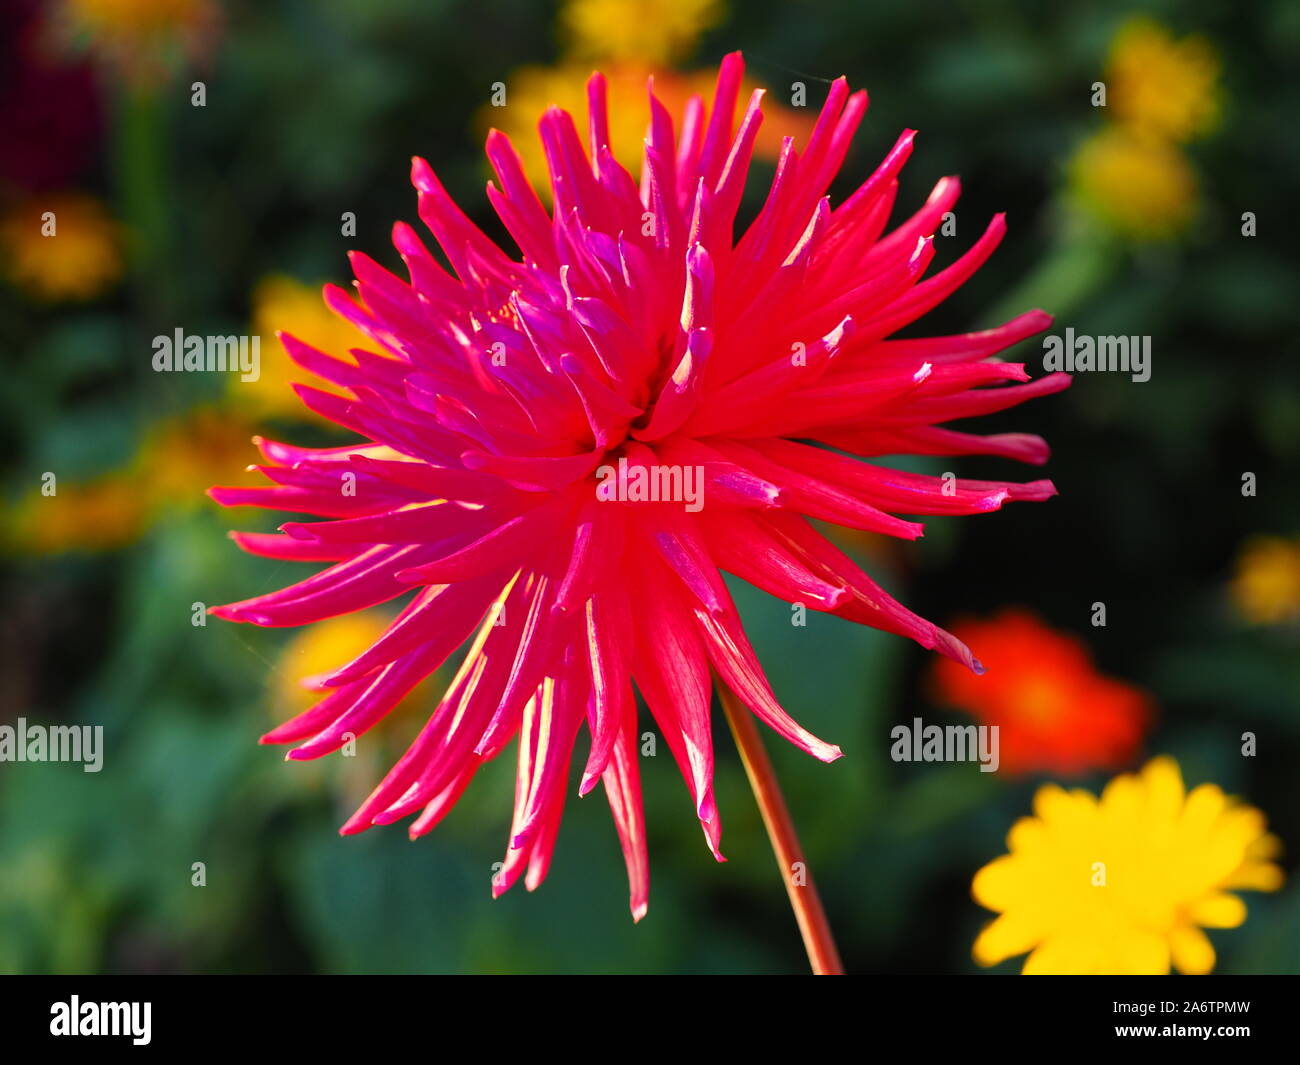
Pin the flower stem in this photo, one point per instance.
(804, 900)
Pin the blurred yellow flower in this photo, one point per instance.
(140, 39)
(1124, 884)
(177, 460)
(1266, 588)
(314, 652)
(61, 247)
(319, 649)
(652, 31)
(533, 89)
(136, 16)
(1159, 86)
(181, 457)
(99, 515)
(283, 303)
(1143, 189)
(881, 549)
(630, 40)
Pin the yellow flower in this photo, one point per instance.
(1159, 86)
(533, 89)
(283, 303)
(314, 652)
(1266, 588)
(177, 461)
(99, 515)
(1124, 884)
(320, 649)
(61, 247)
(653, 31)
(181, 457)
(1142, 189)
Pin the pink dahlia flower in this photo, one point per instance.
(517, 401)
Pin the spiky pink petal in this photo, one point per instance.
(637, 330)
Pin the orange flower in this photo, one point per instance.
(1054, 711)
(62, 246)
(178, 457)
(99, 515)
(142, 41)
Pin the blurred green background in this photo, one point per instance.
(217, 216)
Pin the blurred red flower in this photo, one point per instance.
(1055, 712)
